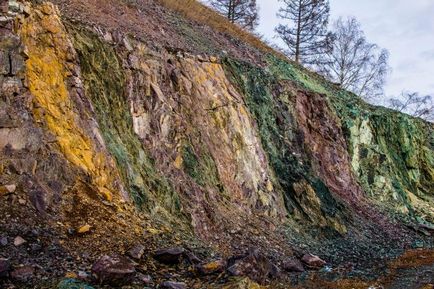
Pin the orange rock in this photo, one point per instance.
(216, 266)
(84, 229)
(71, 275)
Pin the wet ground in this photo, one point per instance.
(413, 270)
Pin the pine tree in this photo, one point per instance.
(306, 33)
(242, 12)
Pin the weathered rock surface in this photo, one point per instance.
(173, 285)
(293, 265)
(169, 256)
(137, 251)
(313, 261)
(254, 265)
(132, 124)
(23, 274)
(212, 267)
(4, 241)
(113, 270)
(18, 241)
(5, 267)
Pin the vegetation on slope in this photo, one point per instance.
(194, 10)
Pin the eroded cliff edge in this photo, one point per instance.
(219, 152)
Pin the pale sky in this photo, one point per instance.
(405, 28)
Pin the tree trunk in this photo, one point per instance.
(297, 43)
(231, 9)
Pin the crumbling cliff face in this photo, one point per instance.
(109, 140)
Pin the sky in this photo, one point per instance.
(405, 28)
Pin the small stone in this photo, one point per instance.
(313, 261)
(18, 241)
(136, 252)
(4, 241)
(5, 266)
(293, 265)
(4, 6)
(14, 6)
(108, 37)
(202, 58)
(113, 270)
(169, 256)
(213, 59)
(84, 229)
(11, 188)
(144, 279)
(71, 275)
(192, 258)
(7, 189)
(83, 275)
(173, 285)
(5, 19)
(27, 9)
(35, 247)
(134, 61)
(127, 44)
(213, 267)
(23, 274)
(22, 201)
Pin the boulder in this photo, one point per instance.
(113, 270)
(169, 256)
(173, 285)
(254, 265)
(5, 266)
(23, 274)
(313, 261)
(292, 265)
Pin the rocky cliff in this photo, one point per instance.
(129, 128)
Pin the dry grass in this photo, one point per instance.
(196, 11)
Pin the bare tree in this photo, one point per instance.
(352, 62)
(242, 12)
(306, 32)
(414, 104)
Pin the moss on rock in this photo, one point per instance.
(105, 81)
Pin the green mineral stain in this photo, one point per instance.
(392, 153)
(281, 139)
(202, 169)
(73, 284)
(104, 83)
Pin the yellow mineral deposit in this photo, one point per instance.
(49, 49)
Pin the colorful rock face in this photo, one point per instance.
(122, 142)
